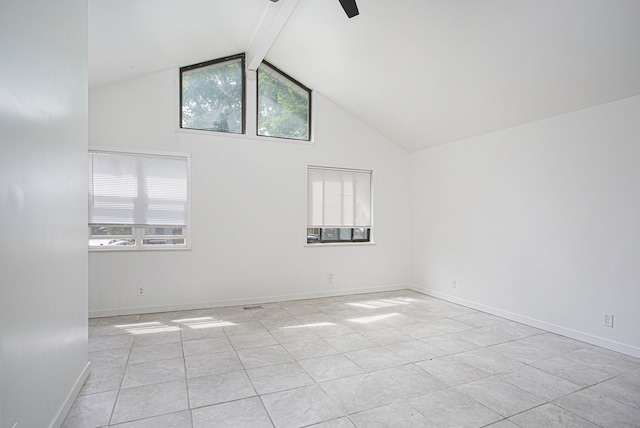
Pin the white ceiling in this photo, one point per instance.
(421, 72)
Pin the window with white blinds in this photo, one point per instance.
(338, 204)
(129, 191)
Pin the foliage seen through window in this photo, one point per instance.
(283, 105)
(212, 95)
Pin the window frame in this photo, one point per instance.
(138, 232)
(235, 57)
(296, 83)
(338, 242)
(352, 240)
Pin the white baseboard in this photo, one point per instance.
(553, 328)
(71, 397)
(98, 313)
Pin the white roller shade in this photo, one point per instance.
(137, 189)
(338, 197)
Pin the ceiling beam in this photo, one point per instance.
(273, 21)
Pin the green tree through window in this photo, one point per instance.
(213, 95)
(283, 105)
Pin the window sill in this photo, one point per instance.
(339, 244)
(135, 249)
(245, 136)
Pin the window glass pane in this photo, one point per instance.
(113, 235)
(111, 230)
(345, 234)
(283, 105)
(334, 234)
(131, 189)
(162, 230)
(338, 204)
(313, 235)
(338, 197)
(359, 233)
(111, 242)
(212, 96)
(162, 241)
(113, 188)
(137, 199)
(330, 234)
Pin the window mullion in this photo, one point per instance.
(139, 235)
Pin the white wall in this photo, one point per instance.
(43, 260)
(248, 211)
(539, 223)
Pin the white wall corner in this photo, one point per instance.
(532, 322)
(71, 397)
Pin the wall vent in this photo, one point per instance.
(253, 307)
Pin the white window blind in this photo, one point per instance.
(338, 197)
(137, 189)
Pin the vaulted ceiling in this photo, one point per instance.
(421, 72)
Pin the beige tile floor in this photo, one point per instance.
(392, 359)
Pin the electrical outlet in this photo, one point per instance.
(454, 283)
(330, 278)
(140, 291)
(607, 320)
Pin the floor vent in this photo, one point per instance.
(253, 307)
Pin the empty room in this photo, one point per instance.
(305, 213)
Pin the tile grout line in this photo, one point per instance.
(126, 366)
(337, 314)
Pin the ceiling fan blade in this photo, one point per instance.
(350, 7)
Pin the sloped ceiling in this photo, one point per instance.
(421, 72)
